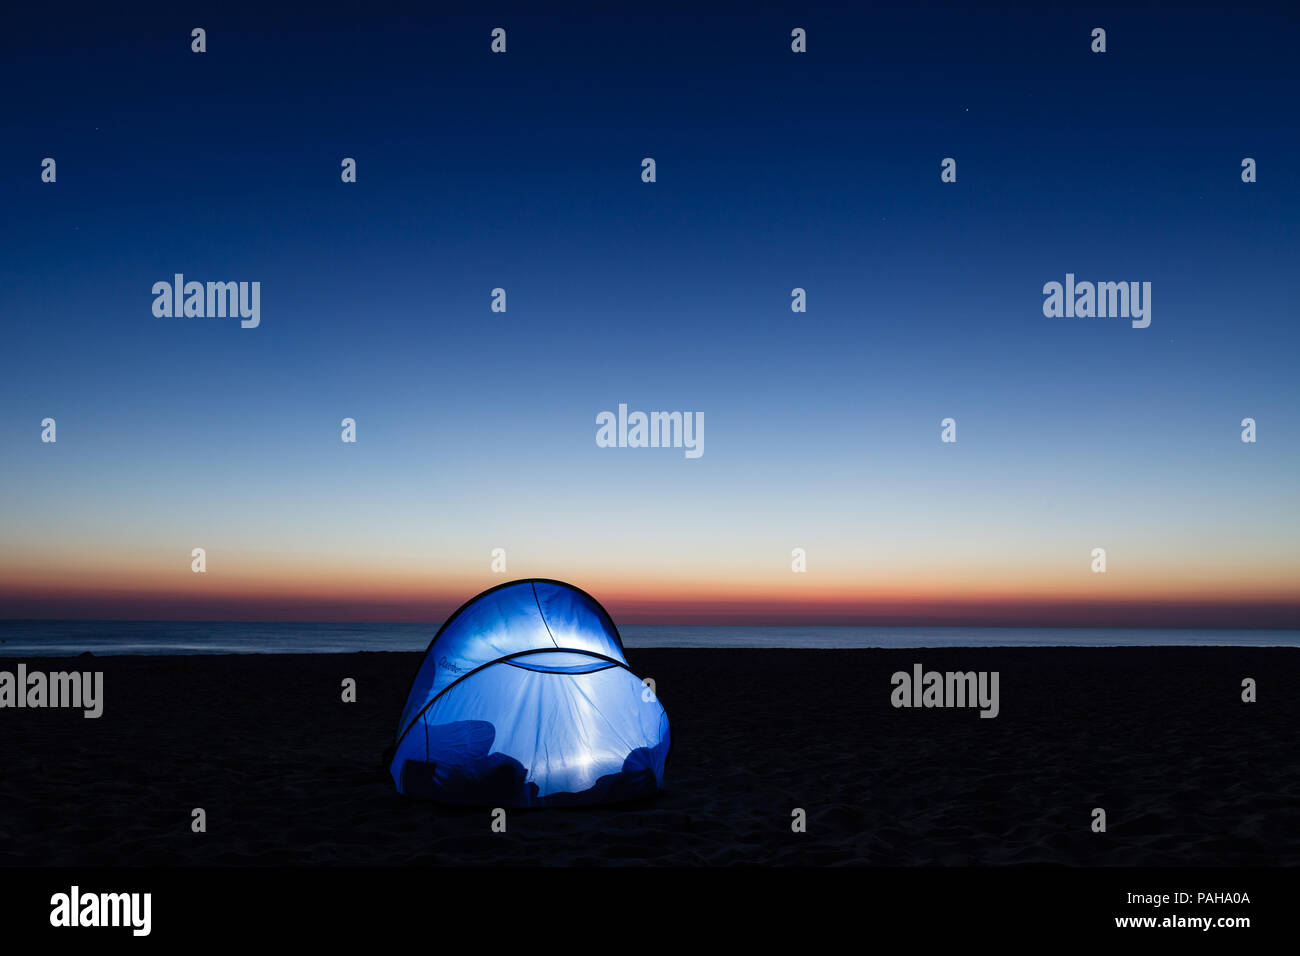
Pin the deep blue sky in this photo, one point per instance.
(774, 171)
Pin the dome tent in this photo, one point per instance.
(524, 698)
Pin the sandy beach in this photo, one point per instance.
(288, 774)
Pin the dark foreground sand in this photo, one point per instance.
(1188, 774)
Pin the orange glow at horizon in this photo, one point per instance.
(261, 586)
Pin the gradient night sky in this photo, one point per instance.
(476, 429)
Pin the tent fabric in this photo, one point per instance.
(525, 698)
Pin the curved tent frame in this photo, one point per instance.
(618, 638)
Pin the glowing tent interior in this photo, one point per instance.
(525, 698)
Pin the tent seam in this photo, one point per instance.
(542, 615)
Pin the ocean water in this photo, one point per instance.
(69, 638)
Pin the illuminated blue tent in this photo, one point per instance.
(525, 699)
